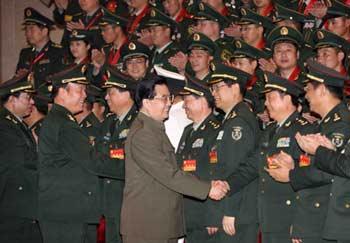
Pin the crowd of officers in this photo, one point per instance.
(258, 74)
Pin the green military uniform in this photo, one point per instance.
(313, 185)
(113, 135)
(161, 55)
(275, 200)
(69, 195)
(193, 157)
(42, 62)
(237, 137)
(19, 172)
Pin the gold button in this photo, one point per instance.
(263, 179)
(297, 197)
(332, 180)
(288, 202)
(20, 188)
(108, 181)
(330, 194)
(317, 205)
(347, 205)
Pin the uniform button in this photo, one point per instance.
(263, 179)
(317, 205)
(89, 193)
(108, 181)
(288, 202)
(261, 153)
(20, 188)
(332, 180)
(297, 197)
(210, 173)
(347, 205)
(330, 194)
(262, 191)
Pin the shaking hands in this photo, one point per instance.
(218, 190)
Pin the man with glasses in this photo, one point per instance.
(237, 137)
(152, 209)
(19, 164)
(135, 59)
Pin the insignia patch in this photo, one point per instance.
(304, 160)
(236, 133)
(201, 6)
(132, 46)
(220, 135)
(74, 33)
(28, 13)
(198, 143)
(189, 165)
(225, 55)
(116, 153)
(320, 35)
(153, 13)
(123, 133)
(284, 31)
(338, 139)
(238, 44)
(196, 37)
(283, 142)
(213, 157)
(243, 11)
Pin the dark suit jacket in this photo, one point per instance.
(153, 202)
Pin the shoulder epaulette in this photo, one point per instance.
(232, 115)
(336, 117)
(302, 122)
(71, 117)
(109, 114)
(8, 117)
(214, 124)
(56, 45)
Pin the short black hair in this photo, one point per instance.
(146, 89)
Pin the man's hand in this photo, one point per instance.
(212, 230)
(228, 223)
(98, 58)
(218, 190)
(267, 65)
(75, 25)
(284, 163)
(179, 61)
(309, 143)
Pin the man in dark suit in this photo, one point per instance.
(18, 167)
(152, 209)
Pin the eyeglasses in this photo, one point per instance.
(216, 87)
(165, 98)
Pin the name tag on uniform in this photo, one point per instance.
(189, 165)
(220, 135)
(213, 157)
(283, 142)
(198, 143)
(304, 160)
(116, 153)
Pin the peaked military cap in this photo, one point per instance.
(44, 93)
(134, 49)
(75, 74)
(115, 78)
(94, 94)
(290, 4)
(248, 16)
(77, 35)
(276, 82)
(112, 19)
(31, 16)
(284, 13)
(336, 9)
(196, 87)
(205, 12)
(324, 38)
(22, 83)
(224, 73)
(156, 18)
(284, 34)
(201, 41)
(243, 49)
(322, 74)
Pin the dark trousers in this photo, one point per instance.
(132, 239)
(276, 238)
(112, 230)
(19, 230)
(58, 232)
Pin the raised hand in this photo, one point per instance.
(308, 143)
(218, 190)
(98, 58)
(75, 25)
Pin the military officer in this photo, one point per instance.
(19, 165)
(69, 166)
(237, 137)
(119, 95)
(43, 57)
(136, 58)
(202, 218)
(312, 185)
(162, 28)
(264, 7)
(275, 200)
(337, 18)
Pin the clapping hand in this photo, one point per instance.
(310, 143)
(284, 163)
(218, 190)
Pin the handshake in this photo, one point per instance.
(218, 190)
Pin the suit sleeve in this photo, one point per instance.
(162, 165)
(332, 162)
